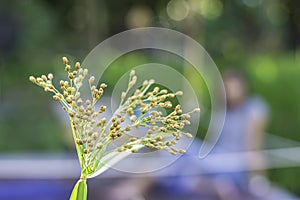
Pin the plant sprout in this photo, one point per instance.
(93, 134)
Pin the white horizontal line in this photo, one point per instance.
(44, 167)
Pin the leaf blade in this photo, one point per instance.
(79, 191)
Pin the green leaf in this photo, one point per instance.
(79, 191)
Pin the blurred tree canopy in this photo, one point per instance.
(261, 37)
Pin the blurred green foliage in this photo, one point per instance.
(261, 37)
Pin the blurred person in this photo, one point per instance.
(243, 131)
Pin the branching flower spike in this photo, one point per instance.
(93, 133)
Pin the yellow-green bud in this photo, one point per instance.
(196, 110)
(50, 76)
(77, 65)
(134, 150)
(132, 73)
(68, 68)
(65, 60)
(32, 79)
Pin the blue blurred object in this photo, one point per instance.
(34, 190)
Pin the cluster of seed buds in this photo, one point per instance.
(163, 131)
(92, 134)
(82, 113)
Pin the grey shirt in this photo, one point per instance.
(234, 132)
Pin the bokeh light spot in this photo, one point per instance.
(211, 9)
(178, 10)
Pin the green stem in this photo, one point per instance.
(80, 190)
(78, 150)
